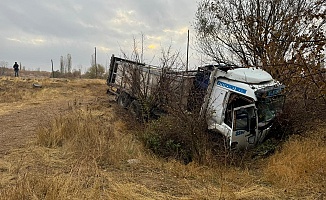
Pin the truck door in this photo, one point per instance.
(244, 126)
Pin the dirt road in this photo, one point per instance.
(18, 126)
(23, 107)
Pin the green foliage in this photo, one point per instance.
(178, 137)
(166, 139)
(95, 72)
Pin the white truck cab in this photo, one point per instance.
(242, 104)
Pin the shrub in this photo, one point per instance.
(183, 137)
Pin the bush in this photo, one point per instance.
(182, 137)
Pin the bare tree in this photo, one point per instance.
(62, 67)
(260, 33)
(151, 90)
(69, 63)
(284, 37)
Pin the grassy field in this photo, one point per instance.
(88, 149)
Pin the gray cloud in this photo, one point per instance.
(34, 32)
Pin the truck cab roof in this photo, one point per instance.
(251, 76)
(248, 75)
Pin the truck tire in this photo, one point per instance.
(136, 110)
(123, 100)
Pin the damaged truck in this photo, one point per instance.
(239, 103)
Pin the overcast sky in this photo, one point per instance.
(33, 32)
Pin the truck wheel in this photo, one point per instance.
(123, 100)
(136, 110)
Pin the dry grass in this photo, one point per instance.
(299, 167)
(19, 92)
(85, 135)
(84, 154)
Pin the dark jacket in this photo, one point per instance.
(16, 67)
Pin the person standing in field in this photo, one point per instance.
(16, 68)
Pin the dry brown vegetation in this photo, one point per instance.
(89, 149)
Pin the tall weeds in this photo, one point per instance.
(85, 135)
(300, 164)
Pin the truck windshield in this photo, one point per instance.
(268, 108)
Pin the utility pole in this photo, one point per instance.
(95, 65)
(106, 66)
(52, 69)
(187, 63)
(142, 48)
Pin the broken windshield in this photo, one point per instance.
(268, 108)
